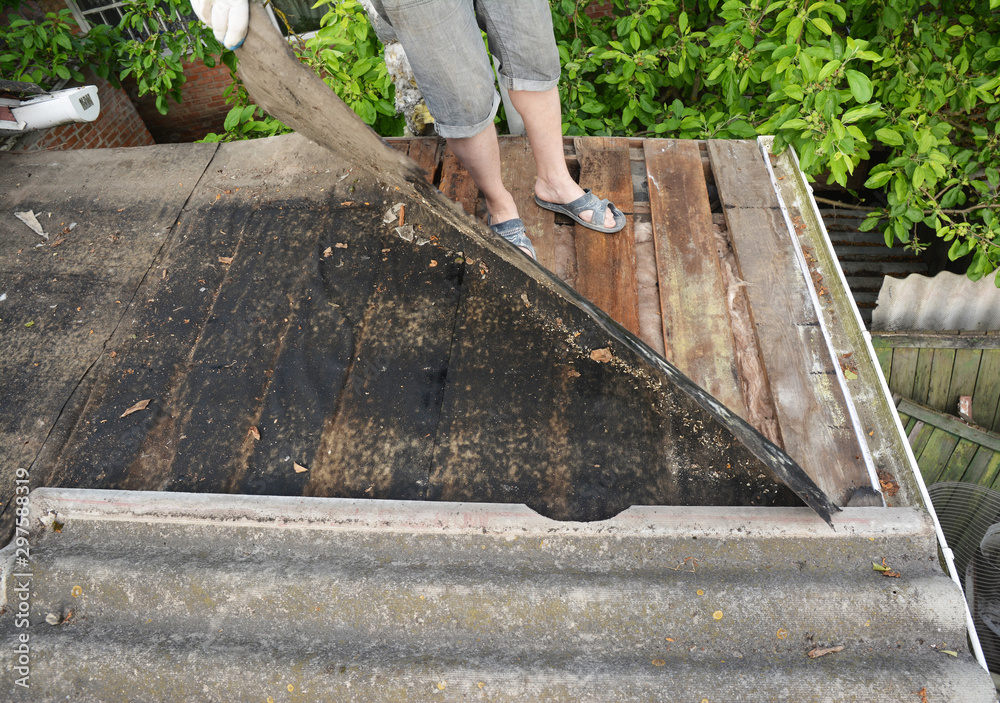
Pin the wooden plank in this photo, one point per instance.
(518, 166)
(904, 369)
(986, 397)
(936, 454)
(811, 409)
(907, 422)
(936, 340)
(456, 183)
(884, 356)
(697, 331)
(918, 437)
(977, 472)
(922, 375)
(959, 462)
(606, 262)
(425, 152)
(963, 378)
(951, 424)
(940, 378)
(992, 472)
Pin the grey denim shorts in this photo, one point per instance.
(443, 43)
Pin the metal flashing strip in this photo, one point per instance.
(918, 479)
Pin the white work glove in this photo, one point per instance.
(228, 19)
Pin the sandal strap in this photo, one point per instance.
(513, 231)
(589, 201)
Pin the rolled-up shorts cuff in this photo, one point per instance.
(527, 84)
(463, 131)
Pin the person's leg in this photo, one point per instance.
(543, 124)
(480, 154)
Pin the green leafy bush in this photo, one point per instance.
(906, 89)
(55, 48)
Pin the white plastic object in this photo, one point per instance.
(61, 107)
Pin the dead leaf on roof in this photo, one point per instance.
(340, 245)
(816, 652)
(254, 432)
(602, 356)
(299, 468)
(141, 405)
(328, 252)
(225, 260)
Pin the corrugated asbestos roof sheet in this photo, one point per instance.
(167, 596)
(946, 301)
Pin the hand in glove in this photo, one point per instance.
(228, 19)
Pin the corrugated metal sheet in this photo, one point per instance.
(947, 301)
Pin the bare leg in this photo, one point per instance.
(543, 124)
(481, 157)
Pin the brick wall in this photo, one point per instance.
(118, 125)
(202, 109)
(600, 8)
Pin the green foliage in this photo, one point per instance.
(905, 88)
(155, 62)
(56, 49)
(51, 50)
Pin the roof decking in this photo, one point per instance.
(661, 280)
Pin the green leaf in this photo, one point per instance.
(795, 92)
(232, 118)
(861, 85)
(822, 25)
(891, 18)
(889, 136)
(878, 180)
(682, 22)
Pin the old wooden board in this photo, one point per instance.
(986, 397)
(940, 378)
(963, 377)
(936, 453)
(109, 215)
(606, 262)
(935, 340)
(697, 331)
(519, 169)
(922, 375)
(456, 183)
(424, 152)
(812, 411)
(904, 371)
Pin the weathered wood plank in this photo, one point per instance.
(986, 397)
(456, 183)
(951, 424)
(424, 151)
(518, 167)
(812, 412)
(918, 437)
(697, 331)
(963, 378)
(935, 340)
(904, 371)
(959, 461)
(977, 472)
(936, 453)
(922, 375)
(991, 476)
(940, 378)
(606, 262)
(884, 356)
